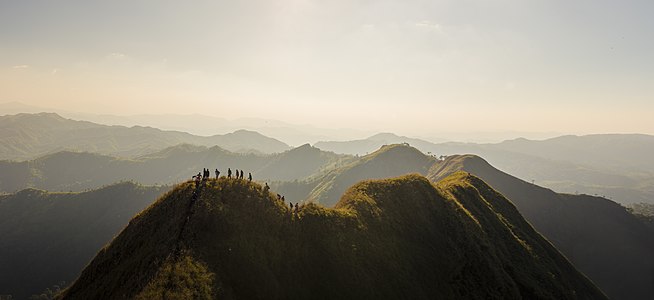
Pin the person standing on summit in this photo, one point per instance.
(229, 173)
(217, 174)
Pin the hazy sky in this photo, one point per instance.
(573, 66)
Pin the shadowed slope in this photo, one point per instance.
(47, 238)
(396, 238)
(599, 236)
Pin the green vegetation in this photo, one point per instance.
(600, 237)
(388, 161)
(394, 238)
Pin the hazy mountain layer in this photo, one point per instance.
(47, 238)
(617, 166)
(71, 171)
(399, 238)
(600, 237)
(27, 136)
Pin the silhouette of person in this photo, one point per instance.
(237, 173)
(217, 173)
(249, 176)
(266, 188)
(229, 173)
(241, 174)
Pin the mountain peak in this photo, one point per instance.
(384, 136)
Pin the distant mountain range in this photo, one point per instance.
(398, 238)
(197, 124)
(26, 136)
(613, 166)
(79, 171)
(618, 166)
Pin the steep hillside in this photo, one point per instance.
(599, 236)
(26, 136)
(388, 161)
(74, 171)
(398, 238)
(47, 238)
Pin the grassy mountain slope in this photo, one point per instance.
(616, 165)
(26, 136)
(599, 236)
(47, 238)
(388, 161)
(396, 238)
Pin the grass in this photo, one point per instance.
(394, 238)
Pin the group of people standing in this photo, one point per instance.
(206, 174)
(238, 174)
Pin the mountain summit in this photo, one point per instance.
(395, 238)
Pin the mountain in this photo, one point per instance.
(198, 124)
(600, 237)
(631, 152)
(300, 163)
(396, 238)
(74, 171)
(47, 238)
(371, 144)
(25, 136)
(617, 166)
(388, 161)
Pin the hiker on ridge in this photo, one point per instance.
(250, 177)
(217, 174)
(241, 174)
(229, 173)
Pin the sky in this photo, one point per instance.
(407, 66)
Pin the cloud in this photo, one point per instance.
(117, 56)
(428, 26)
(20, 67)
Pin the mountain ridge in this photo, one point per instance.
(25, 136)
(238, 244)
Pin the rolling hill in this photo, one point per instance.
(395, 238)
(600, 237)
(74, 171)
(47, 238)
(27, 136)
